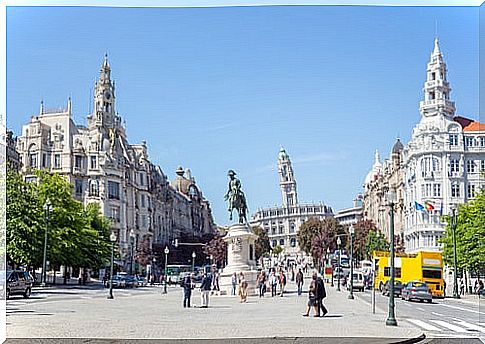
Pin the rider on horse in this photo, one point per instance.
(236, 198)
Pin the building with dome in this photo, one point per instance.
(106, 169)
(438, 169)
(382, 177)
(283, 222)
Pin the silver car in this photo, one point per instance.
(416, 290)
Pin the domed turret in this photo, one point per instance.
(398, 147)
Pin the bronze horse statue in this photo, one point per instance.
(236, 198)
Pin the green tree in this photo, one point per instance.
(217, 247)
(315, 236)
(362, 230)
(376, 241)
(470, 235)
(262, 245)
(277, 249)
(25, 223)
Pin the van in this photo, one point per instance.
(358, 281)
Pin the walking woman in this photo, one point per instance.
(243, 288)
(312, 297)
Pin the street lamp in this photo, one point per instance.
(166, 261)
(454, 217)
(112, 238)
(391, 201)
(339, 242)
(351, 231)
(132, 242)
(47, 215)
(193, 261)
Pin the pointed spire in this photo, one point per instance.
(377, 158)
(436, 50)
(41, 112)
(106, 62)
(69, 106)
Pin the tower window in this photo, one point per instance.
(431, 96)
(433, 76)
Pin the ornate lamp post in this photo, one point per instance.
(47, 215)
(193, 261)
(351, 231)
(339, 242)
(391, 201)
(167, 251)
(132, 243)
(454, 215)
(112, 238)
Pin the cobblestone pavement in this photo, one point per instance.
(147, 313)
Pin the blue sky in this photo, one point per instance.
(214, 89)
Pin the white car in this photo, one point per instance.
(357, 282)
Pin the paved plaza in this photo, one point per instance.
(147, 313)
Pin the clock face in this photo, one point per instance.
(107, 95)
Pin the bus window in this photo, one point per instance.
(387, 272)
(431, 274)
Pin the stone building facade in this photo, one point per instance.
(13, 157)
(438, 169)
(282, 223)
(105, 168)
(350, 216)
(443, 160)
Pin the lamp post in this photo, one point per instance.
(112, 238)
(391, 200)
(166, 261)
(456, 294)
(47, 214)
(338, 263)
(132, 240)
(351, 231)
(193, 261)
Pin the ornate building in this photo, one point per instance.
(439, 168)
(349, 216)
(282, 223)
(443, 160)
(13, 156)
(378, 181)
(106, 169)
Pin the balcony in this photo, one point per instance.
(436, 103)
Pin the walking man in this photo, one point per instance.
(205, 289)
(188, 285)
(321, 294)
(282, 282)
(261, 283)
(299, 281)
(233, 283)
(273, 280)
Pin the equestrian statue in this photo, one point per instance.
(236, 198)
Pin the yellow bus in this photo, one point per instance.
(422, 266)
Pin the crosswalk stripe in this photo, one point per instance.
(424, 325)
(471, 326)
(449, 326)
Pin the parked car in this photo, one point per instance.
(142, 282)
(19, 283)
(398, 286)
(119, 281)
(357, 281)
(131, 281)
(416, 290)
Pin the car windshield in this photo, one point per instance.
(420, 285)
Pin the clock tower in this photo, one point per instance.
(287, 180)
(104, 99)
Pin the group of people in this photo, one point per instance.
(188, 284)
(477, 287)
(271, 280)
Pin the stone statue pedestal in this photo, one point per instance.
(240, 258)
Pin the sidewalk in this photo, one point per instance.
(151, 314)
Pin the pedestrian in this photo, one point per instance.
(320, 295)
(205, 288)
(261, 283)
(299, 281)
(273, 281)
(462, 287)
(312, 298)
(480, 287)
(233, 283)
(282, 281)
(292, 274)
(188, 285)
(243, 288)
(217, 280)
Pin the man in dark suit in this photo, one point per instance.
(321, 294)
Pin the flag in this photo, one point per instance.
(429, 206)
(418, 206)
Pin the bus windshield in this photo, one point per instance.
(178, 269)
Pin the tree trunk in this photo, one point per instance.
(54, 279)
(65, 274)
